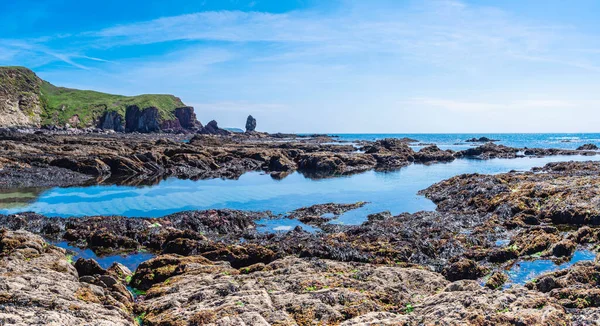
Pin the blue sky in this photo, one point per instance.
(328, 66)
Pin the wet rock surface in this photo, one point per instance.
(133, 159)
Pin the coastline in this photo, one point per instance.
(394, 269)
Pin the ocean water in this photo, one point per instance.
(457, 141)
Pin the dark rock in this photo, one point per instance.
(212, 128)
(144, 121)
(111, 120)
(88, 267)
(250, 124)
(587, 147)
(480, 140)
(564, 248)
(187, 118)
(464, 269)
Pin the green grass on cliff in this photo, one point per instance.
(60, 104)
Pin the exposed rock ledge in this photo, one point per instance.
(39, 286)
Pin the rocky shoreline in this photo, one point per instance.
(445, 267)
(49, 159)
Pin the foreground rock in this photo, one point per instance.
(38, 286)
(294, 291)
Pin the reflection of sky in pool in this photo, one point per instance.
(131, 261)
(525, 271)
(394, 191)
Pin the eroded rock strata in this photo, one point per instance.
(64, 159)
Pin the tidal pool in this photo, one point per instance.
(392, 191)
(131, 261)
(525, 271)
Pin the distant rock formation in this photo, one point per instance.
(187, 118)
(212, 128)
(587, 147)
(111, 120)
(480, 140)
(250, 124)
(144, 121)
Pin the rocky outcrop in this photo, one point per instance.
(111, 120)
(250, 124)
(144, 121)
(588, 147)
(480, 140)
(212, 128)
(187, 118)
(40, 287)
(289, 291)
(20, 101)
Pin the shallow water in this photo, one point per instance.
(132, 261)
(394, 191)
(526, 271)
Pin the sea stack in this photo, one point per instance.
(250, 124)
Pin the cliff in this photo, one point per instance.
(28, 101)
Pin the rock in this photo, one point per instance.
(588, 147)
(480, 140)
(187, 118)
(213, 129)
(288, 291)
(433, 154)
(564, 248)
(488, 151)
(111, 120)
(144, 121)
(496, 280)
(463, 269)
(20, 100)
(40, 287)
(250, 124)
(86, 267)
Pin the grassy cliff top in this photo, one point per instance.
(60, 104)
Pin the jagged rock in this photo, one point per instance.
(212, 128)
(144, 121)
(20, 102)
(187, 118)
(111, 120)
(250, 124)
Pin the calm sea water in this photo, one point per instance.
(457, 141)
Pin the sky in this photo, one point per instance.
(378, 66)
